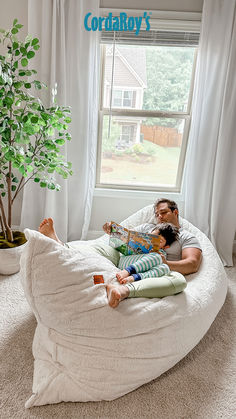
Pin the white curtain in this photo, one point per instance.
(210, 176)
(68, 56)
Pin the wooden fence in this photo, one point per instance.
(163, 136)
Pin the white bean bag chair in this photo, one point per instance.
(84, 350)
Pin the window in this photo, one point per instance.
(127, 133)
(127, 99)
(117, 98)
(144, 118)
(122, 98)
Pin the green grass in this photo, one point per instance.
(161, 169)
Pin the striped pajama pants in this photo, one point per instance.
(148, 265)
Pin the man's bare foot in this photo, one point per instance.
(46, 227)
(116, 293)
(126, 280)
(121, 275)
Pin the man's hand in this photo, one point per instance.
(163, 258)
(107, 228)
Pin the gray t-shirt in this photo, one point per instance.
(174, 252)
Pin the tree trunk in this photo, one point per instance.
(9, 183)
(3, 229)
(5, 223)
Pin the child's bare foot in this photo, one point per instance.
(126, 280)
(116, 293)
(46, 227)
(121, 275)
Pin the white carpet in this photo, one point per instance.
(202, 385)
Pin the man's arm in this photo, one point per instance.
(190, 262)
(142, 228)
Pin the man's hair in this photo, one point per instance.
(168, 231)
(171, 204)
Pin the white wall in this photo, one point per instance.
(117, 205)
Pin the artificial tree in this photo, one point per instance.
(30, 133)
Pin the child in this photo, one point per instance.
(147, 265)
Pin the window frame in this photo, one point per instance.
(132, 112)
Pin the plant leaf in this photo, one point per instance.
(60, 141)
(35, 41)
(29, 168)
(30, 54)
(24, 62)
(34, 119)
(15, 45)
(43, 184)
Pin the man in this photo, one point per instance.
(183, 256)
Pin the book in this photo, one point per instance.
(129, 242)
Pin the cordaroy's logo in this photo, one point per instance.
(117, 23)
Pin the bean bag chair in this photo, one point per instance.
(83, 349)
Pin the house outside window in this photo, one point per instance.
(145, 111)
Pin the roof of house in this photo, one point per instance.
(130, 66)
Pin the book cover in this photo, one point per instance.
(129, 242)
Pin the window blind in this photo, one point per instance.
(152, 37)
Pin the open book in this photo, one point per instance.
(129, 242)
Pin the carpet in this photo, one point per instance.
(202, 385)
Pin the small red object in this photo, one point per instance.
(98, 279)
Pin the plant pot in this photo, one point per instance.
(10, 260)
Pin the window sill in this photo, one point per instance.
(135, 194)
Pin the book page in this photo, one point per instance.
(143, 242)
(119, 238)
(130, 242)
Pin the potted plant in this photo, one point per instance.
(31, 135)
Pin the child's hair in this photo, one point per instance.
(168, 231)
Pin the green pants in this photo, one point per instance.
(157, 287)
(149, 287)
